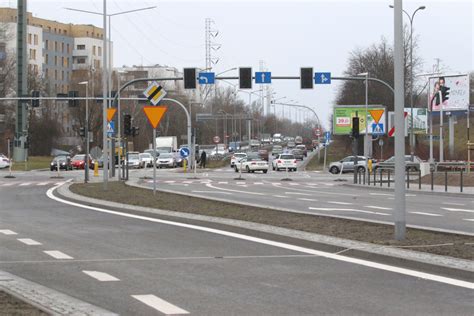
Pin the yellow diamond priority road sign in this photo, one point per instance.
(155, 93)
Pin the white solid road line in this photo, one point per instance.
(7, 232)
(340, 209)
(25, 184)
(451, 203)
(378, 207)
(218, 192)
(309, 200)
(101, 276)
(339, 203)
(457, 210)
(160, 304)
(424, 213)
(42, 183)
(57, 254)
(468, 219)
(29, 242)
(8, 184)
(362, 262)
(281, 196)
(223, 182)
(382, 194)
(299, 193)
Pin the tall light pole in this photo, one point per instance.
(119, 120)
(412, 134)
(366, 136)
(86, 130)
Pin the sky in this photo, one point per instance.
(285, 35)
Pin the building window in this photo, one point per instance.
(46, 59)
(93, 50)
(67, 47)
(29, 38)
(62, 47)
(35, 39)
(46, 72)
(81, 60)
(81, 47)
(62, 75)
(55, 76)
(97, 64)
(46, 44)
(99, 49)
(55, 46)
(35, 69)
(55, 60)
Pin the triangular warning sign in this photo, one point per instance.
(376, 115)
(154, 114)
(110, 114)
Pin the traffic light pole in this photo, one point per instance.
(441, 123)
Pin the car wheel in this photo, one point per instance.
(236, 170)
(334, 170)
(273, 167)
(360, 169)
(247, 169)
(265, 171)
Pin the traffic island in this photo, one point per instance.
(425, 241)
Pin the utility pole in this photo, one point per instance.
(105, 146)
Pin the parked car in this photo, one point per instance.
(252, 164)
(77, 161)
(133, 160)
(298, 154)
(166, 160)
(347, 165)
(236, 158)
(4, 161)
(64, 163)
(276, 150)
(179, 160)
(410, 165)
(284, 161)
(303, 149)
(146, 159)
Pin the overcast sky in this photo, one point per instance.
(286, 35)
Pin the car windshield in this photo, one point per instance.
(145, 155)
(240, 155)
(61, 158)
(166, 155)
(79, 157)
(287, 157)
(133, 156)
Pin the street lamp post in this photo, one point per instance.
(86, 130)
(412, 134)
(119, 118)
(366, 136)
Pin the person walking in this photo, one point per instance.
(202, 160)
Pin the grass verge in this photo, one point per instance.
(10, 305)
(420, 240)
(36, 162)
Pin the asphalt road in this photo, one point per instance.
(138, 266)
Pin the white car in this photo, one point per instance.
(146, 159)
(134, 160)
(252, 164)
(4, 162)
(284, 161)
(166, 160)
(236, 158)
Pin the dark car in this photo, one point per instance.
(263, 153)
(64, 163)
(303, 149)
(298, 154)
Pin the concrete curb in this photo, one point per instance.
(453, 194)
(438, 260)
(46, 299)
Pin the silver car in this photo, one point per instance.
(347, 165)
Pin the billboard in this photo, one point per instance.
(376, 118)
(420, 121)
(454, 94)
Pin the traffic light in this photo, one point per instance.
(355, 127)
(127, 125)
(82, 132)
(35, 102)
(135, 131)
(245, 78)
(73, 102)
(445, 93)
(189, 75)
(306, 78)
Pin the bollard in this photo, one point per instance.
(419, 179)
(388, 177)
(185, 165)
(368, 177)
(96, 168)
(461, 187)
(408, 178)
(360, 180)
(365, 174)
(375, 178)
(432, 180)
(381, 177)
(446, 181)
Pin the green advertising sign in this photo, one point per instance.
(342, 119)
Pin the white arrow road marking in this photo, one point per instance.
(427, 214)
(361, 262)
(457, 210)
(7, 232)
(29, 242)
(378, 207)
(160, 304)
(101, 276)
(340, 203)
(57, 254)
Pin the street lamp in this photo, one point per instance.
(86, 130)
(366, 136)
(119, 119)
(412, 134)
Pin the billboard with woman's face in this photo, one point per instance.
(449, 92)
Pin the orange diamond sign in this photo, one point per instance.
(110, 114)
(376, 115)
(154, 114)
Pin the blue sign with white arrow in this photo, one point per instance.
(322, 78)
(184, 152)
(263, 77)
(207, 78)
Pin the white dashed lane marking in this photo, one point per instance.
(25, 184)
(457, 210)
(379, 207)
(298, 193)
(29, 242)
(309, 200)
(424, 213)
(57, 254)
(7, 232)
(339, 203)
(101, 276)
(160, 304)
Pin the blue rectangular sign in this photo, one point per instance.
(207, 78)
(322, 78)
(327, 135)
(110, 129)
(263, 77)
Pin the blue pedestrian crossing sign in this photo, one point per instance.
(184, 152)
(263, 77)
(207, 78)
(377, 129)
(322, 78)
(110, 129)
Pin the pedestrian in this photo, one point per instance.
(203, 159)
